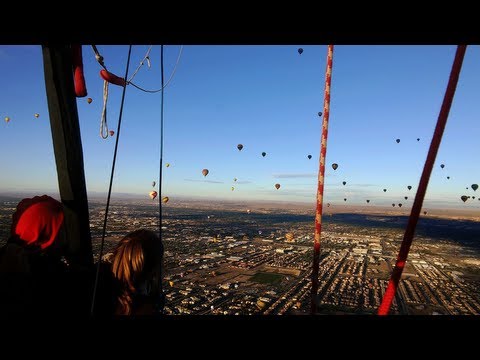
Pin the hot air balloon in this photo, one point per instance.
(167, 164)
(233, 188)
(448, 177)
(319, 113)
(289, 236)
(409, 187)
(171, 283)
(277, 186)
(398, 140)
(234, 179)
(239, 147)
(89, 100)
(309, 157)
(474, 187)
(345, 199)
(466, 188)
(205, 172)
(418, 139)
(424, 213)
(442, 166)
(406, 197)
(165, 199)
(344, 183)
(7, 119)
(464, 198)
(473, 197)
(300, 51)
(334, 166)
(153, 183)
(37, 115)
(393, 205)
(328, 204)
(153, 195)
(384, 190)
(111, 132)
(368, 201)
(264, 153)
(399, 205)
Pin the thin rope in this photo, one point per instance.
(111, 182)
(168, 82)
(422, 186)
(146, 57)
(161, 146)
(321, 182)
(98, 57)
(103, 118)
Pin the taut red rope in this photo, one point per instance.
(321, 177)
(422, 187)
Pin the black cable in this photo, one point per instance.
(161, 145)
(111, 182)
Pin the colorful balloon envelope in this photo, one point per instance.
(165, 199)
(205, 172)
(89, 100)
(153, 195)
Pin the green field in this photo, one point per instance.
(267, 278)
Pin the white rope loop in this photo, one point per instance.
(103, 119)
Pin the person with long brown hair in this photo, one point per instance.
(137, 268)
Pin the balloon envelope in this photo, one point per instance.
(153, 195)
(319, 113)
(464, 198)
(334, 166)
(205, 172)
(474, 187)
(239, 147)
(37, 115)
(344, 183)
(165, 199)
(300, 51)
(264, 153)
(111, 132)
(442, 166)
(89, 100)
(277, 186)
(398, 140)
(409, 187)
(309, 157)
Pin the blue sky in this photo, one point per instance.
(266, 98)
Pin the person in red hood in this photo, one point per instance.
(33, 271)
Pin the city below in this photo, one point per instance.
(256, 258)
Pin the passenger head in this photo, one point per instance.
(37, 222)
(137, 266)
